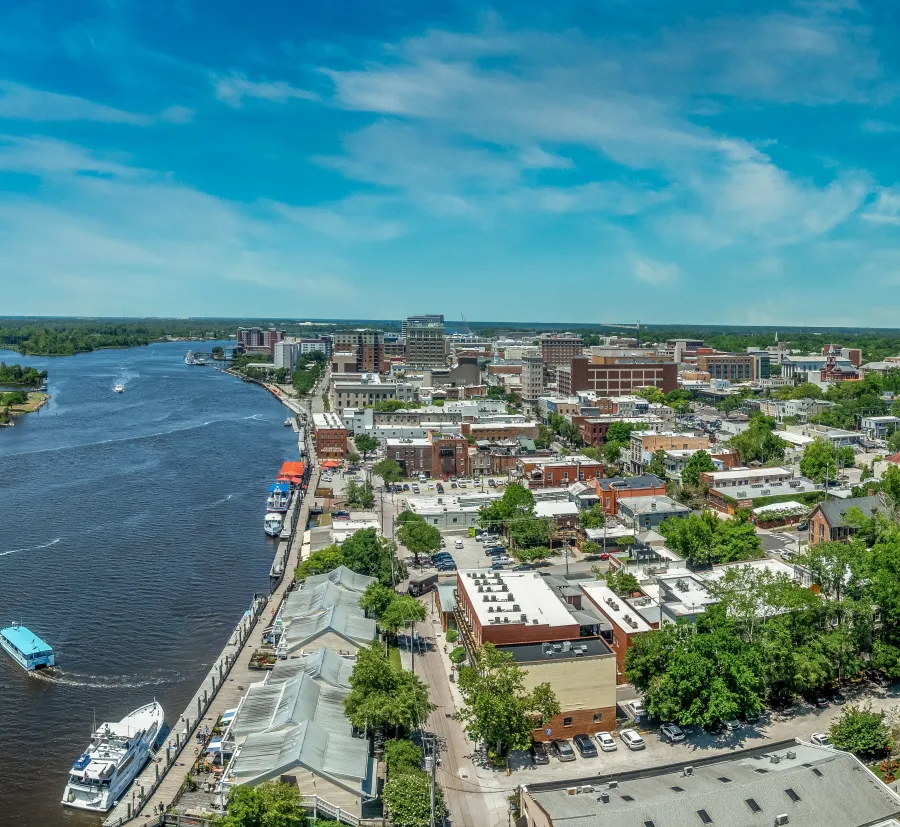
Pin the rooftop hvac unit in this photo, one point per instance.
(688, 770)
(493, 598)
(604, 797)
(790, 755)
(505, 619)
(775, 759)
(523, 618)
(782, 819)
(612, 785)
(742, 493)
(516, 608)
(534, 621)
(486, 598)
(480, 589)
(504, 587)
(587, 788)
(766, 491)
(570, 790)
(495, 620)
(490, 609)
(566, 646)
(510, 597)
(681, 585)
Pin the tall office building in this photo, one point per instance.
(426, 343)
(366, 344)
(418, 320)
(532, 375)
(560, 348)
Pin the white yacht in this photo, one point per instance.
(273, 523)
(119, 387)
(116, 754)
(199, 360)
(288, 422)
(189, 357)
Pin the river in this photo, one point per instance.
(131, 540)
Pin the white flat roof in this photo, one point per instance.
(748, 473)
(615, 608)
(530, 592)
(794, 439)
(790, 504)
(555, 508)
(774, 566)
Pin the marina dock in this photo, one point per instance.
(162, 780)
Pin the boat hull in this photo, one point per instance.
(28, 664)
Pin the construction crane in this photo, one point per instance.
(636, 327)
(466, 329)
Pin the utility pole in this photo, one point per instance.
(433, 773)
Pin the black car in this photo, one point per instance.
(441, 555)
(539, 753)
(493, 551)
(523, 567)
(819, 701)
(406, 486)
(440, 488)
(803, 526)
(585, 746)
(446, 565)
(838, 698)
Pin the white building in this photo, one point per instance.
(286, 354)
(532, 376)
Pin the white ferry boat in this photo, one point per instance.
(279, 497)
(116, 754)
(26, 648)
(272, 524)
(189, 357)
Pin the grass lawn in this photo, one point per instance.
(394, 658)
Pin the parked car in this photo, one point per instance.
(879, 678)
(502, 558)
(523, 567)
(563, 749)
(492, 483)
(539, 752)
(672, 733)
(585, 746)
(453, 485)
(494, 551)
(733, 725)
(838, 698)
(406, 486)
(446, 565)
(634, 708)
(820, 739)
(804, 526)
(606, 741)
(440, 488)
(497, 566)
(819, 701)
(415, 489)
(423, 478)
(458, 544)
(632, 739)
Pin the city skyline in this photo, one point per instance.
(191, 159)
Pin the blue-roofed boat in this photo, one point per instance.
(26, 648)
(279, 497)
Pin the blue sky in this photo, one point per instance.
(687, 161)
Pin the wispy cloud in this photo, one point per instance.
(657, 273)
(233, 89)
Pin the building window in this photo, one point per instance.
(567, 722)
(598, 718)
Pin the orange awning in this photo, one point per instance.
(292, 472)
(330, 463)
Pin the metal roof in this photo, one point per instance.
(447, 596)
(816, 787)
(26, 641)
(342, 576)
(835, 510)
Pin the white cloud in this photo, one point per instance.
(886, 209)
(657, 273)
(24, 103)
(234, 88)
(877, 127)
(355, 219)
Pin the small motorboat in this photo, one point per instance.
(119, 388)
(288, 422)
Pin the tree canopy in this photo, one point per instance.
(320, 562)
(366, 443)
(497, 708)
(417, 535)
(592, 517)
(388, 470)
(359, 494)
(705, 539)
(657, 464)
(821, 460)
(862, 731)
(407, 800)
(699, 463)
(273, 804)
(365, 552)
(758, 443)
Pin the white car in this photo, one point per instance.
(606, 741)
(458, 544)
(672, 733)
(632, 739)
(502, 558)
(820, 739)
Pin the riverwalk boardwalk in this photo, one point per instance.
(221, 690)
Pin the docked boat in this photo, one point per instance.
(199, 360)
(26, 648)
(273, 523)
(288, 422)
(189, 357)
(116, 754)
(279, 497)
(119, 387)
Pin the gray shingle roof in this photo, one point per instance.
(628, 483)
(818, 787)
(835, 510)
(342, 576)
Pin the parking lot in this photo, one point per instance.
(800, 722)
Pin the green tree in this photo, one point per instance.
(401, 755)
(417, 535)
(699, 463)
(388, 470)
(366, 443)
(359, 494)
(612, 451)
(529, 532)
(376, 598)
(620, 581)
(516, 503)
(457, 655)
(320, 562)
(735, 539)
(267, 805)
(365, 552)
(535, 554)
(696, 674)
(862, 731)
(657, 464)
(407, 800)
(621, 431)
(592, 517)
(452, 635)
(353, 457)
(705, 539)
(893, 442)
(821, 459)
(758, 443)
(497, 708)
(383, 698)
(595, 454)
(544, 437)
(401, 612)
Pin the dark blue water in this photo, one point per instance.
(131, 540)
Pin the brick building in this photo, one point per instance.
(543, 472)
(366, 345)
(643, 443)
(593, 428)
(331, 436)
(827, 523)
(497, 431)
(612, 489)
(559, 348)
(735, 367)
(435, 455)
(258, 339)
(553, 640)
(617, 375)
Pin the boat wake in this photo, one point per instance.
(221, 501)
(31, 548)
(256, 417)
(63, 678)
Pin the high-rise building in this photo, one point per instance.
(414, 320)
(426, 344)
(258, 339)
(560, 348)
(366, 344)
(286, 354)
(532, 376)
